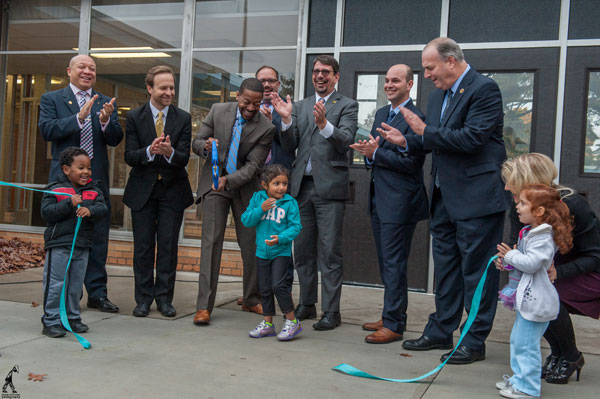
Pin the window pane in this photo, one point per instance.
(25, 156)
(370, 97)
(138, 23)
(517, 96)
(592, 136)
(243, 23)
(217, 77)
(43, 25)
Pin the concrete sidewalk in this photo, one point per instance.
(156, 357)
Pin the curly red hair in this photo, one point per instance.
(556, 213)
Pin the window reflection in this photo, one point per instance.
(592, 135)
(246, 23)
(517, 98)
(43, 24)
(145, 23)
(370, 97)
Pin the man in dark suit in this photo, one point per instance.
(157, 147)
(244, 137)
(79, 116)
(463, 130)
(320, 127)
(397, 202)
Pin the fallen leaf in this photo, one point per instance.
(34, 304)
(405, 354)
(36, 377)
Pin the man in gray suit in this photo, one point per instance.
(320, 127)
(244, 137)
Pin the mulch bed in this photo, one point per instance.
(17, 255)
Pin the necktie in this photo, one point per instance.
(446, 103)
(390, 117)
(160, 127)
(231, 165)
(308, 168)
(87, 138)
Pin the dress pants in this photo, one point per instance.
(392, 241)
(526, 355)
(96, 276)
(461, 251)
(156, 225)
(319, 244)
(215, 208)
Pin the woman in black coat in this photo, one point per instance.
(576, 275)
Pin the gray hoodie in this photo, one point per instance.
(537, 299)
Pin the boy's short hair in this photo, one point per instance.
(66, 157)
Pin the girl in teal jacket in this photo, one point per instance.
(277, 219)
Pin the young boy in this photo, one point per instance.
(61, 213)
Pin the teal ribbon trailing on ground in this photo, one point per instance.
(353, 371)
(63, 309)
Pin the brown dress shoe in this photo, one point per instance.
(254, 309)
(202, 317)
(378, 325)
(383, 336)
(240, 301)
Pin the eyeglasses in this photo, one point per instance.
(324, 72)
(269, 81)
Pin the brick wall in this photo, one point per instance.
(120, 253)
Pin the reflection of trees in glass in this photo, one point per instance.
(517, 96)
(287, 86)
(592, 136)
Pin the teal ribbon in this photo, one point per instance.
(62, 308)
(475, 302)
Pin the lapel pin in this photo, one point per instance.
(334, 101)
(70, 102)
(461, 91)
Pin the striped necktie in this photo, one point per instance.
(231, 165)
(390, 117)
(87, 137)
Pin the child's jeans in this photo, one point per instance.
(525, 355)
(54, 274)
(273, 279)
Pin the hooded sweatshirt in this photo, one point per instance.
(282, 220)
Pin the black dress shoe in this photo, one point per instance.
(103, 304)
(329, 321)
(78, 327)
(425, 343)
(166, 309)
(304, 312)
(464, 355)
(54, 331)
(141, 310)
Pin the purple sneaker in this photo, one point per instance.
(262, 330)
(289, 330)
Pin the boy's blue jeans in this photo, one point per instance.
(526, 356)
(54, 274)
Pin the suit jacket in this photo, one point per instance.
(467, 146)
(278, 154)
(58, 124)
(255, 143)
(140, 132)
(329, 156)
(396, 177)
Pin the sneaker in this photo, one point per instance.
(289, 330)
(505, 383)
(262, 330)
(78, 327)
(513, 393)
(54, 331)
